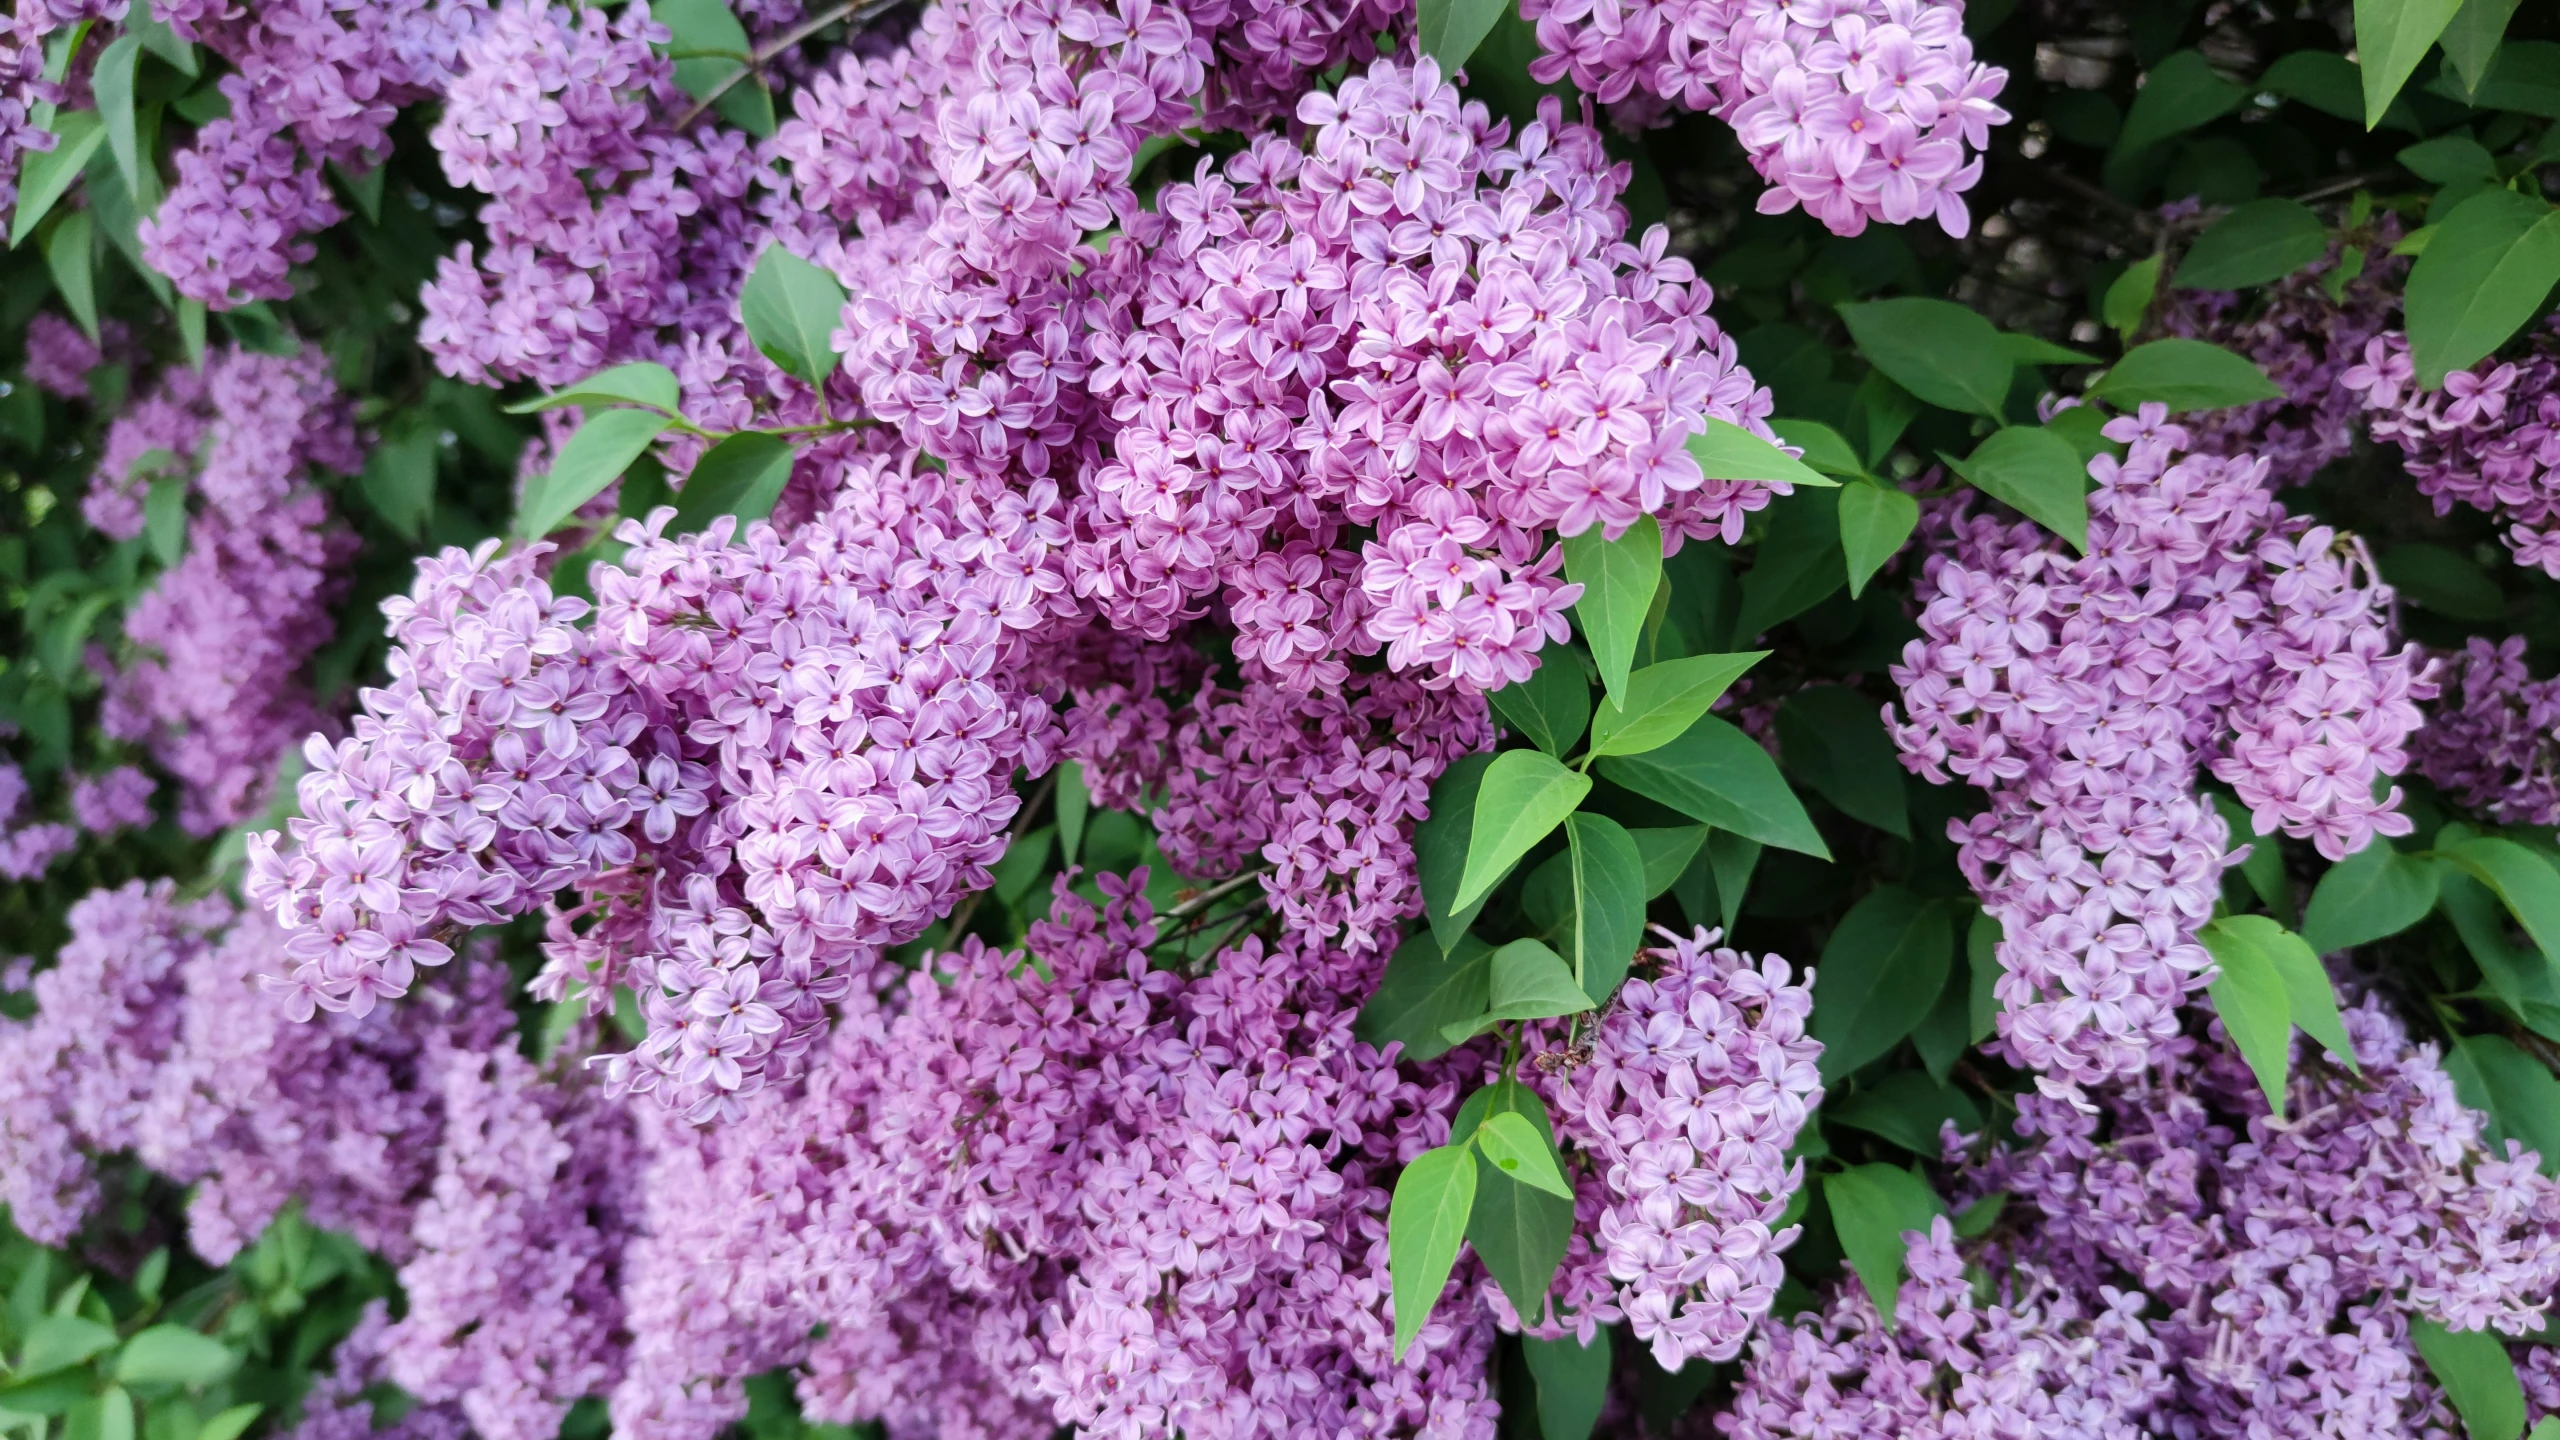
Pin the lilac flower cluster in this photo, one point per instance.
(59, 357)
(2304, 341)
(216, 690)
(315, 82)
(23, 87)
(1699, 1079)
(2493, 745)
(28, 847)
(2489, 437)
(340, 1403)
(1857, 110)
(760, 765)
(2205, 629)
(1063, 1188)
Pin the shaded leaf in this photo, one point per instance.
(1834, 740)
(1440, 847)
(1608, 902)
(2373, 893)
(2035, 472)
(2256, 244)
(1423, 992)
(743, 476)
(2473, 1368)
(1872, 1208)
(1572, 1381)
(1881, 971)
(1939, 351)
(1552, 706)
(1719, 776)
(2183, 375)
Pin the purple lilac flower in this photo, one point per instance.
(2493, 743)
(2489, 438)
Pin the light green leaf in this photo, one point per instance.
(230, 1424)
(1519, 1232)
(1552, 706)
(743, 476)
(1530, 982)
(1608, 902)
(70, 252)
(1426, 1221)
(164, 519)
(1833, 739)
(1525, 795)
(45, 174)
(1572, 1381)
(2256, 1007)
(2035, 472)
(1726, 451)
(1940, 351)
(2256, 244)
(112, 83)
(2130, 295)
(1666, 853)
(1618, 578)
(1424, 992)
(1825, 449)
(594, 458)
(2471, 40)
(58, 1342)
(1876, 521)
(2472, 1365)
(1881, 970)
(1440, 844)
(1450, 30)
(708, 41)
(1664, 700)
(790, 308)
(641, 382)
(1872, 1208)
(2183, 375)
(2486, 271)
(174, 1355)
(1517, 1150)
(1718, 776)
(2375, 892)
(2309, 998)
(2392, 36)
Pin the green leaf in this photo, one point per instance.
(1572, 1381)
(2451, 159)
(1618, 578)
(2309, 998)
(641, 382)
(1530, 982)
(1666, 853)
(1552, 706)
(790, 308)
(105, 1416)
(164, 519)
(2472, 1365)
(1797, 565)
(1718, 776)
(2264, 869)
(2523, 76)
(1940, 351)
(1425, 1223)
(1664, 700)
(2392, 36)
(1519, 1232)
(2036, 473)
(58, 1342)
(2257, 243)
(1906, 1108)
(2471, 40)
(1726, 451)
(1517, 1150)
(1876, 521)
(2485, 273)
(2523, 1098)
(1440, 845)
(1424, 992)
(1608, 902)
(160, 40)
(45, 174)
(1525, 795)
(742, 476)
(2183, 375)
(1833, 739)
(2327, 82)
(70, 252)
(2446, 581)
(1450, 30)
(1943, 1033)
(1825, 449)
(2375, 892)
(230, 1424)
(112, 83)
(2524, 880)
(2130, 295)
(1881, 970)
(399, 479)
(2036, 350)
(2179, 94)
(2250, 995)
(699, 26)
(1872, 1207)
(174, 1355)
(1074, 804)
(1975, 1220)
(1731, 858)
(594, 458)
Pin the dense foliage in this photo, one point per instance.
(1229, 718)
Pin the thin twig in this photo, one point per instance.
(860, 12)
(2347, 183)
(2065, 180)
(1216, 893)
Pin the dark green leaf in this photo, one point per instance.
(2327, 82)
(2178, 94)
(741, 476)
(2446, 581)
(2250, 995)
(399, 479)
(2472, 1365)
(1824, 448)
(1726, 451)
(790, 308)
(44, 175)
(1525, 795)
(1440, 847)
(174, 1355)
(1572, 1381)
(1798, 564)
(594, 458)
(1552, 706)
(707, 42)
(1608, 902)
(1876, 521)
(1426, 1221)
(2523, 76)
(1834, 740)
(2264, 869)
(1424, 992)
(164, 519)
(1872, 1207)
(2257, 243)
(1731, 858)
(1943, 1033)
(1515, 1148)
(1520, 1233)
(1663, 701)
(1618, 578)
(2035, 472)
(160, 40)
(2449, 159)
(2524, 1099)
(2183, 375)
(2375, 892)
(1450, 30)
(70, 252)
(2129, 296)
(1940, 351)
(1881, 970)
(2485, 273)
(1719, 776)
(1074, 804)
(1975, 1220)
(640, 383)
(1530, 982)
(2524, 880)
(2392, 36)
(1667, 852)
(2517, 974)
(1906, 1108)
(2036, 350)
